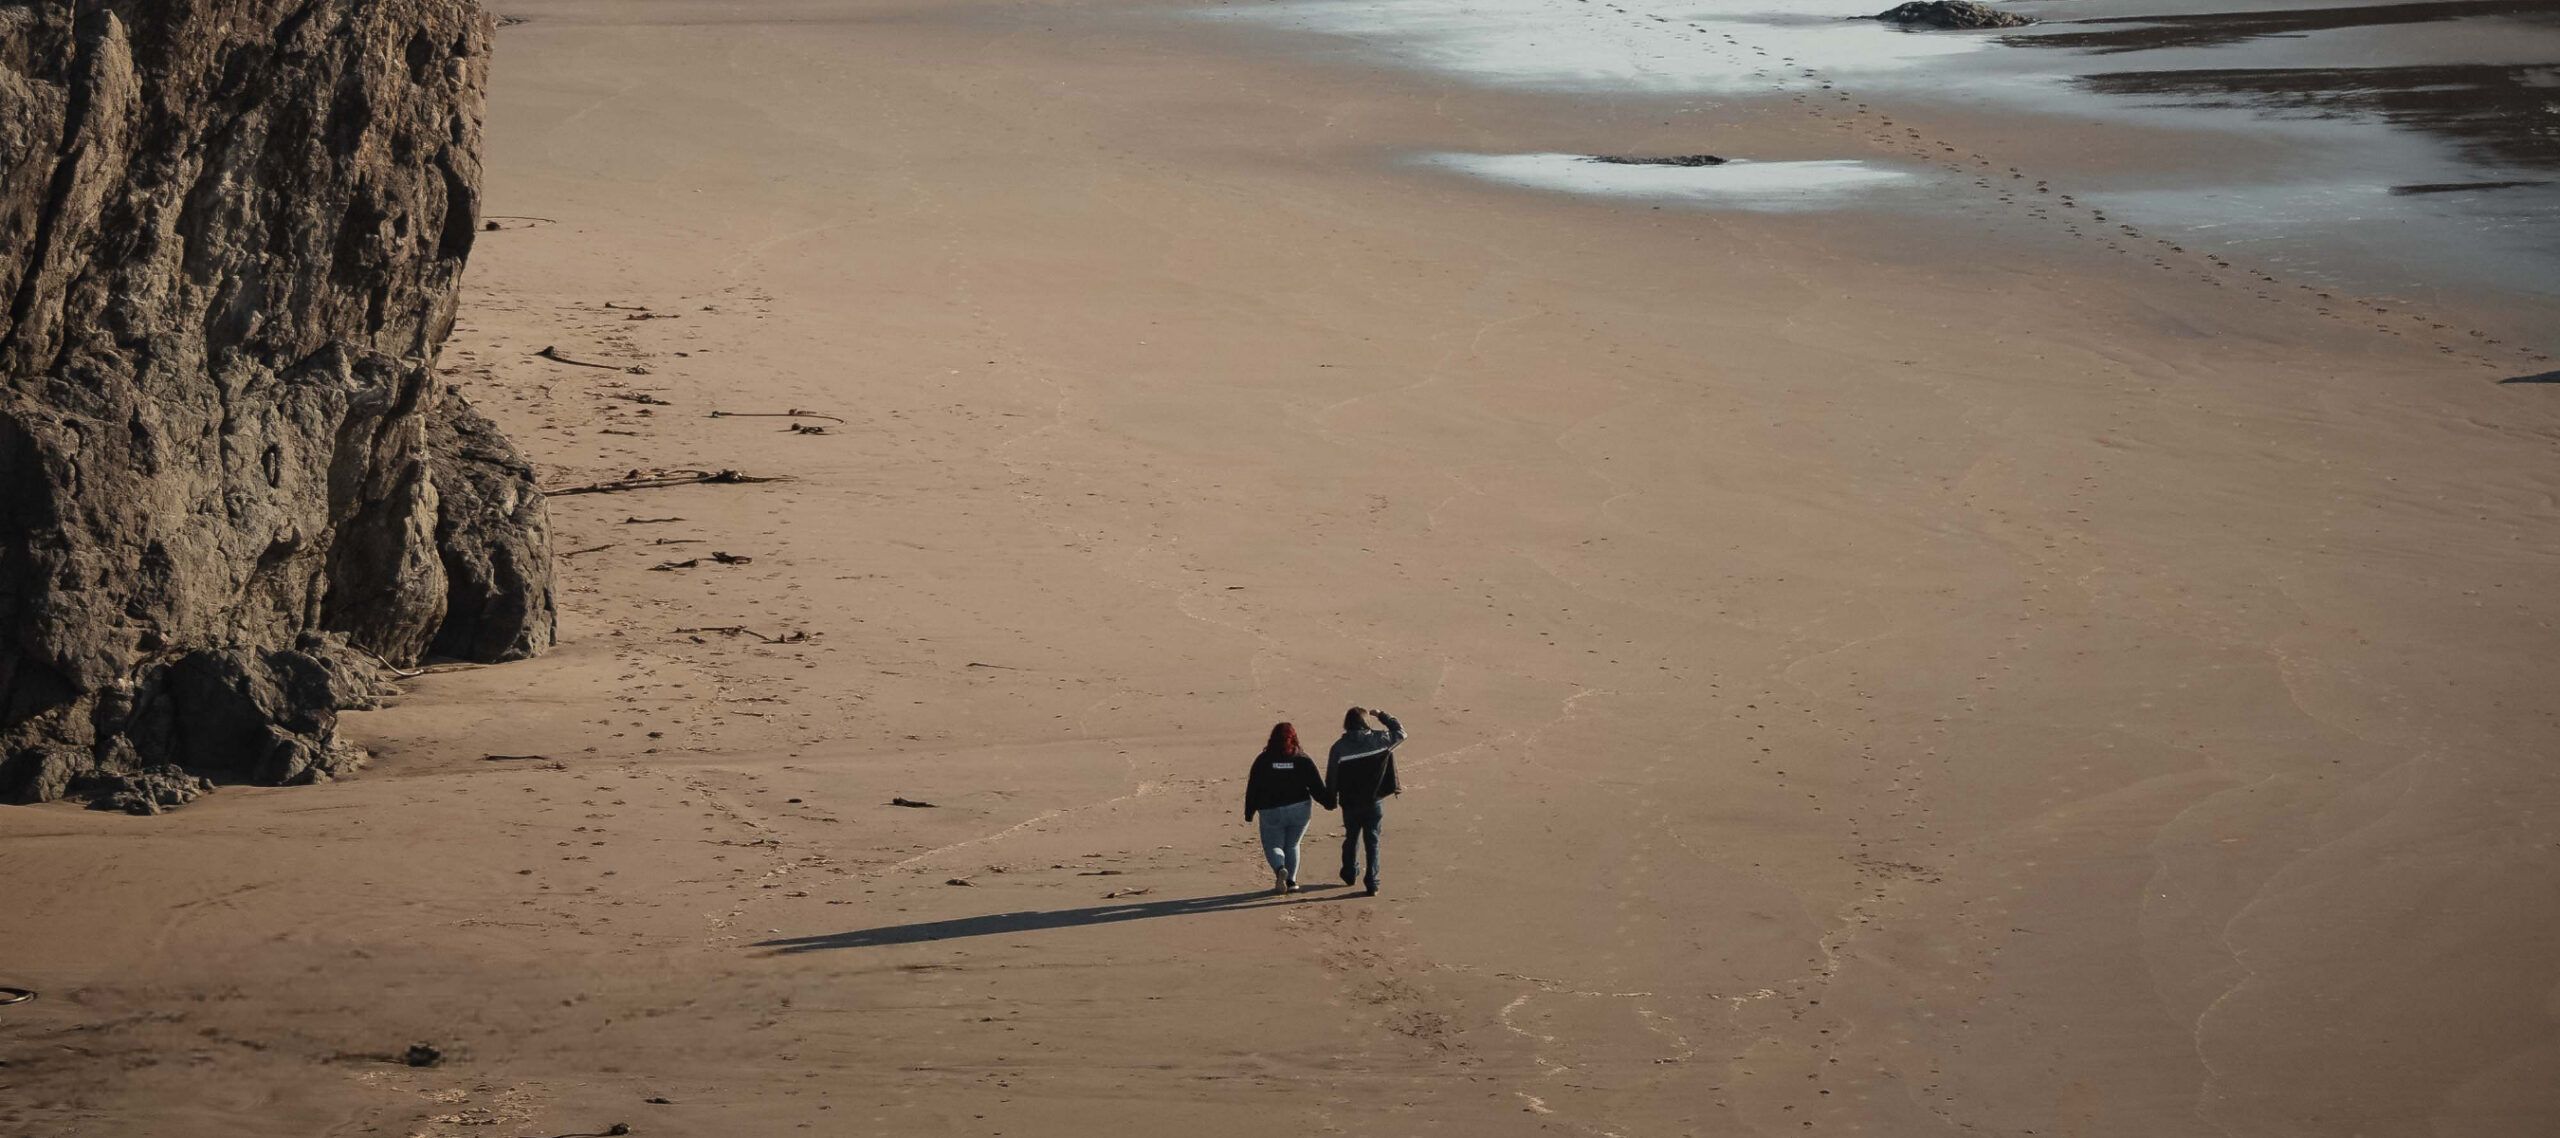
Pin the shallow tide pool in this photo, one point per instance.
(1776, 187)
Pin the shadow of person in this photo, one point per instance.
(1023, 922)
(2545, 377)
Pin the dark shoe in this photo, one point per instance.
(1349, 875)
(1372, 890)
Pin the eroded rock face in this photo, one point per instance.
(1951, 15)
(494, 538)
(230, 237)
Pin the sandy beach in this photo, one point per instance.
(1990, 670)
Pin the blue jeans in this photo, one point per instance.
(1360, 824)
(1282, 828)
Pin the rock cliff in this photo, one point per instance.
(230, 479)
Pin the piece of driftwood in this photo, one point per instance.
(636, 520)
(514, 758)
(589, 549)
(792, 637)
(693, 562)
(806, 429)
(911, 803)
(794, 413)
(555, 355)
(656, 479)
(627, 307)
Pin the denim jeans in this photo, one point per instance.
(1282, 828)
(1360, 825)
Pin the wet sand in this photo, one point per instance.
(2288, 125)
(1984, 673)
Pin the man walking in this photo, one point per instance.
(1360, 772)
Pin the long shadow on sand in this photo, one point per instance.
(2546, 377)
(1024, 922)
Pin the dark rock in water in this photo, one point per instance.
(230, 235)
(2461, 187)
(1671, 160)
(1952, 15)
(422, 1055)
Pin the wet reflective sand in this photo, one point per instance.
(1776, 187)
(2397, 146)
(2496, 116)
(2215, 29)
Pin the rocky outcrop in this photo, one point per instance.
(1951, 15)
(494, 538)
(230, 237)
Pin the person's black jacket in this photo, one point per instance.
(1283, 780)
(1362, 768)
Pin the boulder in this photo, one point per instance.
(494, 536)
(231, 233)
(1951, 15)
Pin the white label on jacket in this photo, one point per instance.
(1284, 766)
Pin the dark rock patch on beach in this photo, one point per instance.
(2419, 188)
(1951, 15)
(1667, 160)
(232, 485)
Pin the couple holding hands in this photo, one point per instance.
(1360, 771)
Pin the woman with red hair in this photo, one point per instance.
(1282, 781)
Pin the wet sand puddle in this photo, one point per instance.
(1735, 184)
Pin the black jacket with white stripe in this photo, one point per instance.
(1283, 780)
(1362, 768)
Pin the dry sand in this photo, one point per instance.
(1864, 677)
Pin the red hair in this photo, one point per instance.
(1284, 741)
